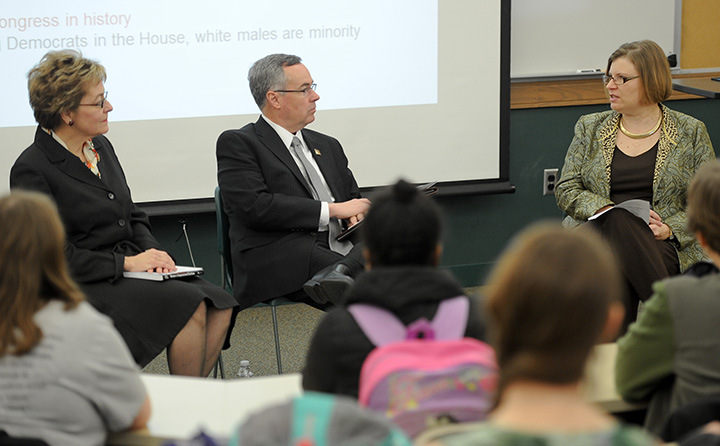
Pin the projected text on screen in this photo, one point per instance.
(175, 60)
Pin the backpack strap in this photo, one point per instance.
(312, 414)
(382, 327)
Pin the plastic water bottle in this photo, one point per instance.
(245, 371)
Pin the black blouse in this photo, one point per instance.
(631, 177)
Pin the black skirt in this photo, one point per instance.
(150, 314)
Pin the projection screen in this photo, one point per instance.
(414, 89)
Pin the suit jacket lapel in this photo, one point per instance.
(65, 161)
(270, 139)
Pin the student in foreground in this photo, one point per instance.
(671, 356)
(553, 296)
(66, 375)
(402, 249)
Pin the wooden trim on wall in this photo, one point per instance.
(562, 93)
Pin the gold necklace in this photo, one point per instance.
(640, 135)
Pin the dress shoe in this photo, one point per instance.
(329, 284)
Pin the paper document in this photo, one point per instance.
(182, 271)
(639, 208)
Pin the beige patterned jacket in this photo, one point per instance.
(584, 185)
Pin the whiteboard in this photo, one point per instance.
(559, 37)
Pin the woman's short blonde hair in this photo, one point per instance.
(548, 301)
(33, 269)
(58, 83)
(652, 65)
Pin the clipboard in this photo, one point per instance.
(427, 189)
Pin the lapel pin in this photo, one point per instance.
(317, 152)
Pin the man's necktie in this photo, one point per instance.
(320, 192)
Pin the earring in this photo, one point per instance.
(71, 123)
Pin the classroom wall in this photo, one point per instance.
(478, 227)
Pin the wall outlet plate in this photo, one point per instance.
(550, 177)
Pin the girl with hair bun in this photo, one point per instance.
(402, 233)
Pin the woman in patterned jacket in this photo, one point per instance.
(638, 150)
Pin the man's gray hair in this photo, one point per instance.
(267, 74)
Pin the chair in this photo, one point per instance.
(226, 270)
(219, 367)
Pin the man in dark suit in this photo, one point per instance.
(285, 190)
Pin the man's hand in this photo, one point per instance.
(356, 219)
(152, 261)
(353, 209)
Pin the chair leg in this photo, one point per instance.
(219, 366)
(277, 339)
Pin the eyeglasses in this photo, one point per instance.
(304, 91)
(100, 104)
(619, 80)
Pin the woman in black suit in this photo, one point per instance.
(107, 233)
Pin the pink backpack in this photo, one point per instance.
(421, 381)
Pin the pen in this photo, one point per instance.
(590, 70)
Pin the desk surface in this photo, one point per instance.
(599, 383)
(699, 86)
(182, 406)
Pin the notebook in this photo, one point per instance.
(182, 271)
